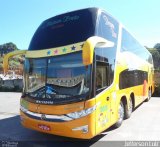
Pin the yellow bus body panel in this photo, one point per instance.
(61, 128)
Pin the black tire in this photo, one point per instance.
(129, 110)
(120, 114)
(149, 95)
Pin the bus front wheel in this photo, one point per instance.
(129, 109)
(120, 115)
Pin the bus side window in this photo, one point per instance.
(108, 29)
(102, 76)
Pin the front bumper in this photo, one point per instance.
(83, 128)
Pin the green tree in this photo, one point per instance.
(157, 46)
(156, 57)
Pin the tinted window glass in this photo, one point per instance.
(101, 76)
(132, 78)
(107, 55)
(68, 76)
(65, 29)
(108, 29)
(35, 73)
(131, 44)
(58, 79)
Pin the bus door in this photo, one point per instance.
(103, 98)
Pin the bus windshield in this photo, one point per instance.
(65, 29)
(57, 79)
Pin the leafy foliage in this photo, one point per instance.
(156, 57)
(157, 46)
(14, 62)
(9, 45)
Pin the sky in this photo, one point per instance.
(19, 19)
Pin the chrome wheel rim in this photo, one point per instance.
(130, 106)
(121, 112)
(149, 94)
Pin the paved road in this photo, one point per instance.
(144, 125)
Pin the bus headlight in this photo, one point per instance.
(82, 113)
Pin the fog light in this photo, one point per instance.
(84, 129)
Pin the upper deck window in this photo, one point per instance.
(65, 29)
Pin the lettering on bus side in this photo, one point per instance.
(102, 118)
(111, 26)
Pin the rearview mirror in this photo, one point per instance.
(90, 44)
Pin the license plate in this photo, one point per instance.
(44, 127)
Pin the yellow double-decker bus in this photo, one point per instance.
(83, 73)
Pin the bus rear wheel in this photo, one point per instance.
(120, 115)
(149, 95)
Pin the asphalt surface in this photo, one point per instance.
(144, 125)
